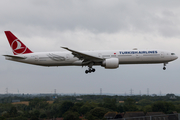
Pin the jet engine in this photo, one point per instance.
(111, 63)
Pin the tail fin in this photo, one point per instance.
(17, 46)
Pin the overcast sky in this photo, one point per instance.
(45, 25)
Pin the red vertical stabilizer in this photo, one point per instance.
(17, 46)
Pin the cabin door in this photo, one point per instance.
(162, 54)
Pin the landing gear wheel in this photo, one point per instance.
(164, 68)
(86, 71)
(90, 70)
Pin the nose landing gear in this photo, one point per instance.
(164, 68)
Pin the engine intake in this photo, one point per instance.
(111, 63)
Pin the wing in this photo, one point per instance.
(85, 57)
(15, 56)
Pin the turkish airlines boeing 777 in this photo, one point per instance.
(110, 59)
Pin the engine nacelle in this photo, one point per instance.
(111, 63)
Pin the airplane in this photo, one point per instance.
(109, 59)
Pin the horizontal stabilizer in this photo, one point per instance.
(15, 56)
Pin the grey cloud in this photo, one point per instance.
(96, 16)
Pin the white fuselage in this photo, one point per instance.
(124, 57)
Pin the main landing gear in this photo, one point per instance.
(90, 70)
(164, 68)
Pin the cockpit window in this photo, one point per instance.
(172, 53)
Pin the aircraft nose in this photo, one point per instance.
(176, 57)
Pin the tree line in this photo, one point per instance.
(91, 107)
